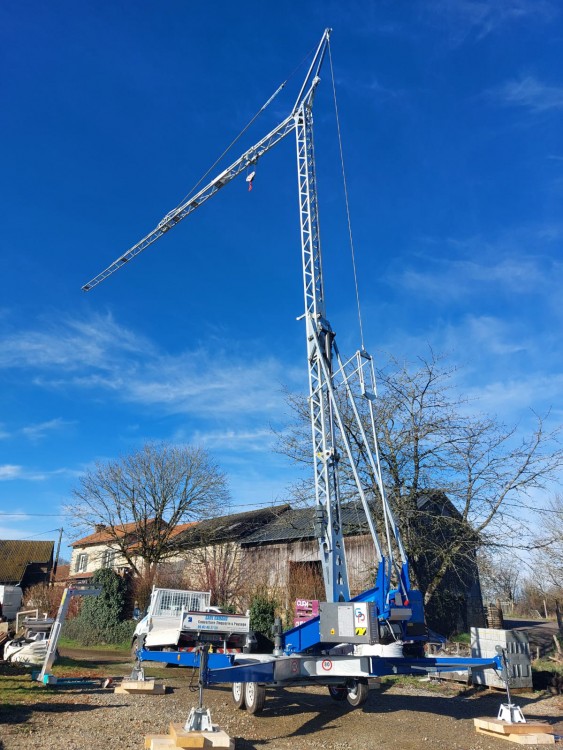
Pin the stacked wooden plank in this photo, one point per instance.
(530, 733)
(178, 737)
(141, 687)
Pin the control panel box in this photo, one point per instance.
(349, 622)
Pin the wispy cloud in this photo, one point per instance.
(38, 431)
(256, 440)
(493, 335)
(114, 360)
(509, 396)
(479, 18)
(10, 471)
(444, 278)
(530, 94)
(74, 345)
(372, 88)
(501, 369)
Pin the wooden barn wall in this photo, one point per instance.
(269, 564)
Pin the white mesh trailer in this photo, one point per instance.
(171, 602)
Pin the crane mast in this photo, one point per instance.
(327, 371)
(320, 355)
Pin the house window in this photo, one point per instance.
(81, 562)
(108, 558)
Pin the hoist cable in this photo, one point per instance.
(346, 201)
(246, 127)
(229, 147)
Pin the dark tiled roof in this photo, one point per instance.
(437, 502)
(234, 527)
(298, 524)
(16, 555)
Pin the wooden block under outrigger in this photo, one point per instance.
(218, 738)
(141, 687)
(532, 733)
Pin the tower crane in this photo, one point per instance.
(327, 371)
(390, 612)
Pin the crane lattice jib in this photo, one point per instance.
(194, 201)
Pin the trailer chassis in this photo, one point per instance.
(308, 669)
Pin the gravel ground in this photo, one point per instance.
(398, 716)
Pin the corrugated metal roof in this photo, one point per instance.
(16, 555)
(234, 527)
(298, 524)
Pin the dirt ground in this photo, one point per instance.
(401, 715)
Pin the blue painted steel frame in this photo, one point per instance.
(223, 669)
(186, 658)
(307, 635)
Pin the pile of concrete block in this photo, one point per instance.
(484, 642)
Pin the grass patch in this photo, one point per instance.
(546, 665)
(70, 643)
(16, 686)
(464, 638)
(443, 687)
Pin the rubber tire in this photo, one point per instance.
(254, 697)
(358, 692)
(238, 694)
(337, 693)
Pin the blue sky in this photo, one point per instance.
(451, 115)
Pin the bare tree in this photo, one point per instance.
(218, 568)
(502, 576)
(432, 444)
(548, 557)
(141, 498)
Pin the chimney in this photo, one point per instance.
(99, 527)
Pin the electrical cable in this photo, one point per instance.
(346, 200)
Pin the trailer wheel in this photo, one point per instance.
(238, 695)
(254, 697)
(337, 693)
(358, 691)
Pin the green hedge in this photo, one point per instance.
(100, 621)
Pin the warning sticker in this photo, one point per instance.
(361, 631)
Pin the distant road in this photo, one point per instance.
(540, 633)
